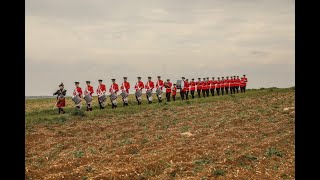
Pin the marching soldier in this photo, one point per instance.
(187, 88)
(149, 87)
(88, 90)
(78, 92)
(114, 88)
(213, 87)
(204, 87)
(192, 87)
(101, 90)
(139, 86)
(199, 87)
(237, 84)
(168, 85)
(208, 86)
(61, 100)
(232, 85)
(227, 84)
(174, 92)
(222, 85)
(125, 86)
(159, 85)
(244, 81)
(182, 91)
(218, 86)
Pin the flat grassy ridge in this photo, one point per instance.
(243, 136)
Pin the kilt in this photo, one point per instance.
(61, 102)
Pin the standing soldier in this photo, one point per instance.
(218, 86)
(222, 85)
(174, 92)
(214, 84)
(182, 91)
(114, 88)
(204, 87)
(187, 88)
(231, 85)
(61, 100)
(227, 84)
(237, 84)
(88, 92)
(77, 92)
(101, 94)
(192, 86)
(125, 86)
(244, 83)
(149, 87)
(159, 86)
(199, 87)
(168, 85)
(139, 86)
(234, 84)
(208, 86)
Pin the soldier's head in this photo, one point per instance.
(77, 84)
(187, 80)
(139, 78)
(231, 77)
(125, 79)
(204, 79)
(168, 80)
(113, 80)
(218, 78)
(100, 81)
(227, 77)
(237, 77)
(183, 78)
(244, 75)
(61, 86)
(174, 85)
(212, 78)
(159, 77)
(149, 78)
(234, 77)
(192, 80)
(88, 83)
(199, 79)
(207, 78)
(222, 78)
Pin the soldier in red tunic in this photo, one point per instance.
(101, 90)
(168, 85)
(232, 90)
(89, 91)
(199, 87)
(114, 88)
(78, 92)
(183, 91)
(222, 85)
(138, 87)
(61, 100)
(244, 81)
(213, 87)
(208, 86)
(204, 87)
(159, 86)
(192, 87)
(187, 88)
(149, 87)
(227, 85)
(218, 86)
(174, 92)
(125, 86)
(237, 84)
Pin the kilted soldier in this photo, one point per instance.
(149, 87)
(192, 86)
(88, 91)
(187, 88)
(227, 84)
(199, 87)
(138, 87)
(174, 92)
(61, 100)
(218, 86)
(78, 92)
(208, 86)
(168, 85)
(101, 92)
(114, 88)
(222, 85)
(237, 84)
(125, 87)
(232, 90)
(159, 85)
(213, 86)
(244, 81)
(204, 87)
(183, 91)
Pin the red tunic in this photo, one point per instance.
(139, 85)
(149, 85)
(168, 89)
(227, 83)
(89, 90)
(174, 91)
(210, 84)
(204, 85)
(186, 86)
(199, 85)
(192, 86)
(114, 88)
(159, 84)
(77, 91)
(222, 83)
(101, 89)
(218, 84)
(125, 86)
(215, 82)
(231, 82)
(243, 81)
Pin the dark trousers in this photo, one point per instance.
(234, 90)
(101, 107)
(207, 91)
(243, 89)
(237, 88)
(199, 93)
(226, 88)
(139, 102)
(203, 93)
(187, 94)
(61, 110)
(168, 96)
(218, 91)
(174, 97)
(182, 95)
(212, 91)
(222, 91)
(192, 93)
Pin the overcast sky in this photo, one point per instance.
(79, 40)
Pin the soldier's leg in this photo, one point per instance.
(181, 95)
(244, 88)
(59, 109)
(207, 92)
(192, 94)
(203, 94)
(218, 91)
(226, 88)
(199, 95)
(169, 96)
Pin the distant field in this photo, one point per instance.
(243, 136)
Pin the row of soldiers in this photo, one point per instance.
(206, 86)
